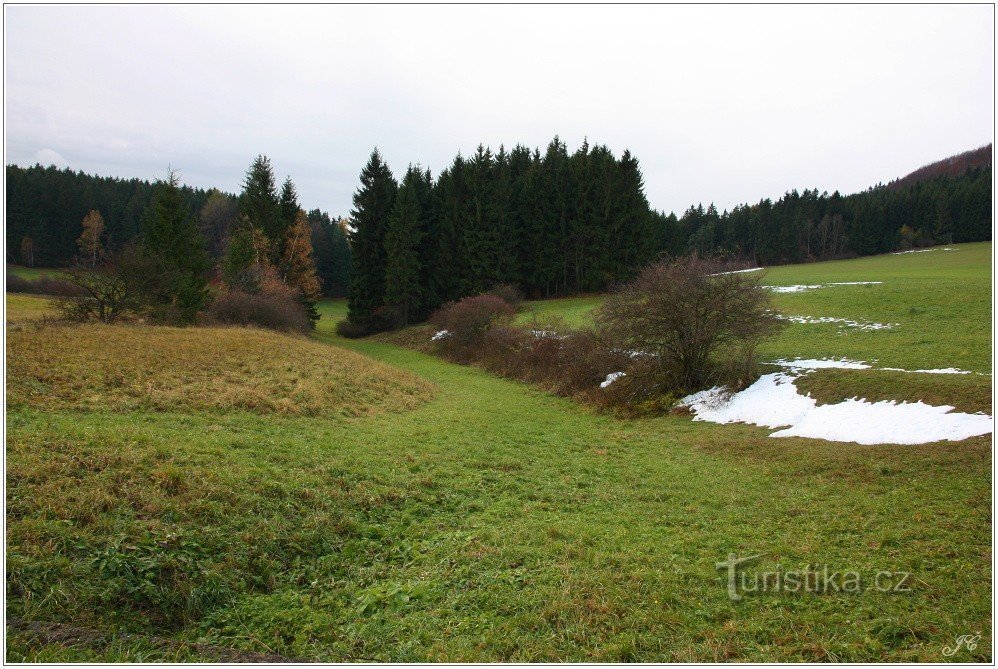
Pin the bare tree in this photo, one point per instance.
(693, 323)
(105, 293)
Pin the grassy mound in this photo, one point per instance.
(122, 368)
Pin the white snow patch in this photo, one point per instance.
(945, 248)
(442, 334)
(773, 401)
(547, 334)
(888, 423)
(842, 322)
(947, 370)
(739, 271)
(824, 363)
(855, 283)
(801, 288)
(791, 289)
(610, 378)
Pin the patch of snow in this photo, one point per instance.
(801, 288)
(945, 248)
(610, 378)
(739, 271)
(856, 283)
(842, 322)
(442, 334)
(826, 363)
(791, 289)
(546, 334)
(947, 370)
(774, 401)
(888, 422)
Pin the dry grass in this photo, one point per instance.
(127, 368)
(21, 308)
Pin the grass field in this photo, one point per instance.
(491, 521)
(33, 272)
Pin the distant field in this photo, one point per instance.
(477, 519)
(33, 272)
(939, 303)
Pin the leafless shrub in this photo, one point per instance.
(466, 320)
(275, 311)
(697, 326)
(509, 293)
(103, 294)
(41, 286)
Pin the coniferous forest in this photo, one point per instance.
(46, 205)
(551, 222)
(558, 223)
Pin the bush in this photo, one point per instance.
(41, 286)
(275, 311)
(508, 293)
(466, 320)
(700, 327)
(103, 294)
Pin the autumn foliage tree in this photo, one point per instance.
(298, 265)
(89, 241)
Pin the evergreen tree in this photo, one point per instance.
(175, 249)
(406, 225)
(289, 209)
(372, 203)
(260, 205)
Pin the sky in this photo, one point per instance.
(724, 104)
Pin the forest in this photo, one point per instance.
(46, 205)
(551, 223)
(559, 223)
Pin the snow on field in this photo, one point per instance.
(945, 248)
(440, 335)
(801, 288)
(946, 370)
(739, 271)
(610, 378)
(828, 363)
(842, 322)
(774, 401)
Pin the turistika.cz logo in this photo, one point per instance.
(811, 579)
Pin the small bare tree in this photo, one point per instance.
(692, 323)
(104, 294)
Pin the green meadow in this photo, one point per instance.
(456, 516)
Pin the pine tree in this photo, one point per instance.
(259, 202)
(175, 248)
(89, 241)
(288, 205)
(372, 203)
(406, 226)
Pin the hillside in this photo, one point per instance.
(953, 166)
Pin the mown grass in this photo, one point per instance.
(490, 522)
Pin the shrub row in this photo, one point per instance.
(41, 286)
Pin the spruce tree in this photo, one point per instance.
(260, 205)
(372, 203)
(288, 205)
(174, 246)
(406, 225)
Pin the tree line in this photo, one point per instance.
(559, 223)
(45, 207)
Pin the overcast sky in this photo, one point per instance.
(725, 104)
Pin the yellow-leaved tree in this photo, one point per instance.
(91, 249)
